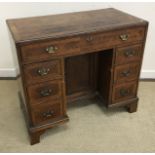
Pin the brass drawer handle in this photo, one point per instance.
(46, 92)
(49, 113)
(43, 71)
(89, 39)
(129, 53)
(51, 49)
(126, 73)
(124, 92)
(124, 37)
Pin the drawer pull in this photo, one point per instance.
(124, 37)
(126, 73)
(48, 113)
(89, 39)
(51, 49)
(43, 71)
(129, 53)
(46, 92)
(124, 92)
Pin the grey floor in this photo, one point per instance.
(92, 128)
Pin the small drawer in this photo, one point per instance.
(47, 112)
(49, 49)
(43, 71)
(124, 91)
(103, 40)
(126, 73)
(43, 92)
(128, 54)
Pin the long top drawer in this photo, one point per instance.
(46, 50)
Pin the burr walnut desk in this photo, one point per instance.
(72, 56)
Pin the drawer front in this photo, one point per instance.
(99, 41)
(47, 91)
(128, 54)
(126, 73)
(44, 71)
(47, 112)
(49, 49)
(124, 91)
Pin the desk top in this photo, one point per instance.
(53, 26)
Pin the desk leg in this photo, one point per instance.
(35, 137)
(132, 107)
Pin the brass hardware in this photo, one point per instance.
(89, 39)
(47, 114)
(124, 92)
(129, 53)
(124, 37)
(46, 92)
(43, 71)
(51, 49)
(126, 73)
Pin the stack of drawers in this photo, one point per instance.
(42, 70)
(126, 72)
(45, 90)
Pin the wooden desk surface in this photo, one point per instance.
(53, 26)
